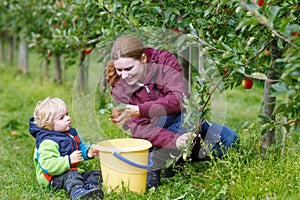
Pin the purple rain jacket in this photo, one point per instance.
(160, 94)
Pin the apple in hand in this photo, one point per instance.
(116, 112)
(247, 83)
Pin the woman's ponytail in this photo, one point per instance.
(111, 74)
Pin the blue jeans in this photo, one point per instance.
(217, 138)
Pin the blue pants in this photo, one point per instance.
(217, 138)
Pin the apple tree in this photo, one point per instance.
(246, 39)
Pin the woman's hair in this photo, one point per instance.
(125, 47)
(46, 110)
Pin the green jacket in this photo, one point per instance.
(53, 150)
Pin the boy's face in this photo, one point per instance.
(62, 123)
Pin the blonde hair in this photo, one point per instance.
(46, 110)
(125, 47)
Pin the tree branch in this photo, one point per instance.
(260, 20)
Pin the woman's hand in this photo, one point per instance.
(129, 112)
(183, 139)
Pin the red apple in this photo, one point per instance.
(49, 54)
(247, 83)
(88, 51)
(175, 30)
(61, 3)
(64, 22)
(294, 34)
(225, 71)
(260, 3)
(267, 52)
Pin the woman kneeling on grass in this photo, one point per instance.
(59, 152)
(151, 85)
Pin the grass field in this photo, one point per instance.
(243, 174)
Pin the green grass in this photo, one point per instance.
(243, 174)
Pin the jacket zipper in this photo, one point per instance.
(147, 90)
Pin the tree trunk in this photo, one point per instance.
(82, 81)
(269, 105)
(11, 48)
(23, 57)
(102, 83)
(183, 60)
(45, 68)
(58, 71)
(2, 47)
(269, 102)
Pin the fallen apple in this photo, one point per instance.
(247, 83)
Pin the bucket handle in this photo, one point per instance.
(133, 163)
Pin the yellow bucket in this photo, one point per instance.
(124, 164)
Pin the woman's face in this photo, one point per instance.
(130, 69)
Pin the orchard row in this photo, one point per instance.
(245, 40)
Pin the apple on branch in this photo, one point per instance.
(87, 51)
(247, 83)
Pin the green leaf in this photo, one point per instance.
(258, 75)
(267, 126)
(279, 108)
(193, 31)
(121, 106)
(297, 128)
(280, 44)
(176, 11)
(181, 40)
(272, 15)
(228, 55)
(280, 87)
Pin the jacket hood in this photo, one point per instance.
(40, 134)
(33, 128)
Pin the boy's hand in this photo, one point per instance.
(76, 157)
(93, 152)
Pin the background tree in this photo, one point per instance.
(242, 39)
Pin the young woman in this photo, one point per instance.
(151, 84)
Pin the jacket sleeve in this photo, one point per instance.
(172, 86)
(84, 148)
(49, 158)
